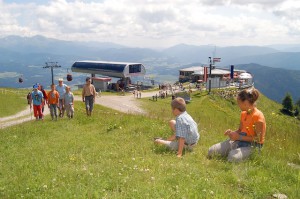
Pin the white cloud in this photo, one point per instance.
(156, 23)
(262, 3)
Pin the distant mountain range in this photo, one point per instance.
(27, 55)
(274, 82)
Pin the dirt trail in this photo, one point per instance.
(23, 116)
(127, 104)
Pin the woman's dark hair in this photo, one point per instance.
(251, 95)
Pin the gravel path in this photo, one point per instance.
(127, 104)
(23, 116)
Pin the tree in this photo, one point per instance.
(287, 102)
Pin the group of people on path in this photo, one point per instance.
(240, 143)
(60, 98)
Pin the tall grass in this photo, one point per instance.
(112, 155)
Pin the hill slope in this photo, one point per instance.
(112, 155)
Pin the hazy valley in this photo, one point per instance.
(276, 68)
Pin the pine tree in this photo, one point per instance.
(287, 102)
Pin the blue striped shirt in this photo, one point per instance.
(187, 128)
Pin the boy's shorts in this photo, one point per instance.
(173, 145)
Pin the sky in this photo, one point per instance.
(155, 23)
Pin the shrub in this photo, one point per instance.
(287, 103)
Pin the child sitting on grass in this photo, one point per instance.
(250, 134)
(185, 129)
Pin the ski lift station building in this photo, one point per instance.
(122, 70)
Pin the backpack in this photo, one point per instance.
(28, 97)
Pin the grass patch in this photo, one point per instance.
(112, 155)
(12, 101)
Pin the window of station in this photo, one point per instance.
(135, 68)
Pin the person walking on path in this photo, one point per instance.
(186, 134)
(52, 101)
(68, 100)
(41, 88)
(37, 101)
(249, 135)
(61, 89)
(88, 96)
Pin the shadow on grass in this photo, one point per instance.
(287, 112)
(160, 149)
(200, 94)
(163, 150)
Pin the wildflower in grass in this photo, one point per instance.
(72, 158)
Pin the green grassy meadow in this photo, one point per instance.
(112, 155)
(12, 101)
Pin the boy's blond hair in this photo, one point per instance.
(178, 103)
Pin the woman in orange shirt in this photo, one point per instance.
(250, 134)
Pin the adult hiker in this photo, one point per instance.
(61, 89)
(88, 96)
(41, 88)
